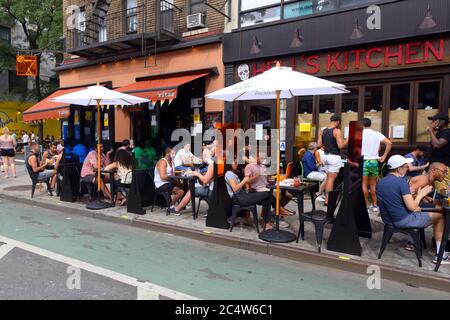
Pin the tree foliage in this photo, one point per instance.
(40, 21)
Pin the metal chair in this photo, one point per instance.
(159, 193)
(319, 218)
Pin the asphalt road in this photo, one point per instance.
(46, 254)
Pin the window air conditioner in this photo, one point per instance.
(195, 20)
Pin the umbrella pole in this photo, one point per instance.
(99, 129)
(275, 235)
(98, 204)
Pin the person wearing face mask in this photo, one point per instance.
(164, 169)
(440, 146)
(400, 208)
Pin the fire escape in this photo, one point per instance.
(103, 32)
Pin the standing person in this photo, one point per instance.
(25, 139)
(333, 141)
(33, 137)
(418, 165)
(371, 141)
(440, 146)
(7, 151)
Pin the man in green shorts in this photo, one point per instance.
(371, 142)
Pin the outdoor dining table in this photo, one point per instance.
(446, 234)
(111, 179)
(189, 183)
(298, 192)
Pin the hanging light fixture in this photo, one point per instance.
(297, 40)
(357, 32)
(428, 21)
(256, 46)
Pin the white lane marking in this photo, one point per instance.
(5, 249)
(145, 290)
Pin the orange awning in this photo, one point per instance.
(159, 89)
(49, 110)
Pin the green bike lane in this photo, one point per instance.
(199, 269)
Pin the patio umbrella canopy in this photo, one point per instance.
(98, 96)
(278, 83)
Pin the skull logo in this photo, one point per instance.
(243, 72)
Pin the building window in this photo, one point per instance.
(400, 100)
(261, 16)
(305, 120)
(350, 102)
(262, 11)
(327, 107)
(5, 34)
(373, 106)
(103, 32)
(131, 18)
(427, 106)
(197, 6)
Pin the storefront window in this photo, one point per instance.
(260, 16)
(349, 3)
(427, 106)
(252, 4)
(373, 106)
(327, 107)
(349, 109)
(298, 9)
(399, 112)
(304, 129)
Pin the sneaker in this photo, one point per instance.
(445, 259)
(321, 198)
(375, 209)
(174, 212)
(284, 224)
(409, 246)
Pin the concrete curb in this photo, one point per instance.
(427, 279)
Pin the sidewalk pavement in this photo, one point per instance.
(394, 256)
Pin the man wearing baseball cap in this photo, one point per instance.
(399, 208)
(440, 145)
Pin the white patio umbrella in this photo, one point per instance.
(278, 83)
(98, 96)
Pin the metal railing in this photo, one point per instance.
(162, 19)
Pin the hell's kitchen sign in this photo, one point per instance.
(376, 58)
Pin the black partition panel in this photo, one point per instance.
(220, 203)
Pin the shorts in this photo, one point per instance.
(89, 178)
(414, 220)
(316, 176)
(167, 187)
(46, 174)
(371, 168)
(7, 153)
(202, 191)
(332, 163)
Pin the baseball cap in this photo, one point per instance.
(397, 161)
(439, 116)
(336, 117)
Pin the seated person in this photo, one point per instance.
(90, 166)
(400, 208)
(123, 163)
(60, 146)
(184, 158)
(311, 169)
(418, 165)
(240, 196)
(256, 172)
(52, 158)
(165, 168)
(80, 151)
(436, 173)
(126, 145)
(205, 187)
(36, 167)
